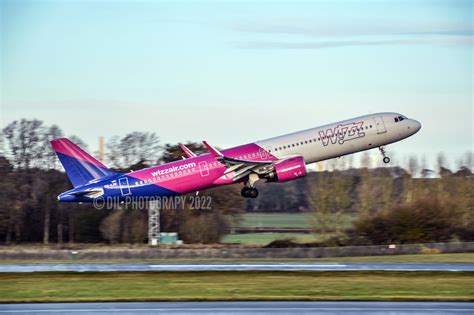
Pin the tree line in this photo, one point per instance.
(32, 178)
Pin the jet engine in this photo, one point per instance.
(289, 169)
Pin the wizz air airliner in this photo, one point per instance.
(278, 159)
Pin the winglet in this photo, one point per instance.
(188, 152)
(213, 150)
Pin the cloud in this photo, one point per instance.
(460, 40)
(353, 27)
(319, 33)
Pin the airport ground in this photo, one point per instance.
(235, 286)
(240, 307)
(416, 258)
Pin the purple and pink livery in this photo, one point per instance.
(278, 159)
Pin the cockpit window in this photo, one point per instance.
(400, 118)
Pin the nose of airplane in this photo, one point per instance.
(415, 125)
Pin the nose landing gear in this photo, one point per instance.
(385, 159)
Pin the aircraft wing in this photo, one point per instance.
(241, 168)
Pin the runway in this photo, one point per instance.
(237, 266)
(242, 308)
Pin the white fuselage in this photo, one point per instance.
(344, 137)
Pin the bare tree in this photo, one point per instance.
(425, 171)
(350, 160)
(111, 226)
(469, 160)
(24, 141)
(413, 166)
(442, 163)
(50, 158)
(319, 199)
(133, 148)
(173, 152)
(365, 160)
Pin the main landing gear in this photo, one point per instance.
(385, 159)
(249, 192)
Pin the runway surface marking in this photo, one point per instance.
(243, 266)
(252, 266)
(246, 307)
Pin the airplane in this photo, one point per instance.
(278, 159)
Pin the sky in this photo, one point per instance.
(235, 72)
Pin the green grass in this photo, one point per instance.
(265, 238)
(293, 220)
(280, 220)
(418, 258)
(168, 286)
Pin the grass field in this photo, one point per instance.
(280, 220)
(265, 238)
(418, 258)
(168, 286)
(292, 220)
(284, 220)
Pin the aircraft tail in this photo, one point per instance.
(80, 166)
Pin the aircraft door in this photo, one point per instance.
(380, 125)
(203, 168)
(264, 153)
(124, 186)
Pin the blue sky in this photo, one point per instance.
(235, 72)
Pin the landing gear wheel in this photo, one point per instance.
(253, 193)
(386, 159)
(249, 192)
(245, 192)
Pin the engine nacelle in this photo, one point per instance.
(289, 169)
